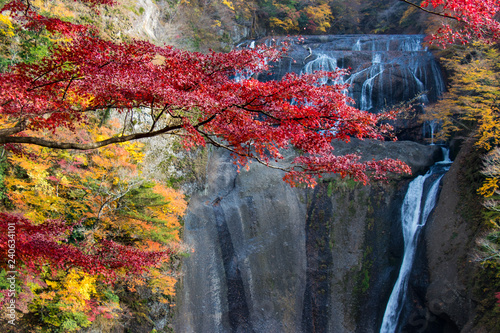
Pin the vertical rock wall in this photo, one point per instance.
(271, 258)
(449, 244)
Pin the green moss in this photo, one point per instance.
(330, 189)
(365, 281)
(485, 281)
(487, 285)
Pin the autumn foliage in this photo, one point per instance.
(189, 94)
(90, 223)
(473, 20)
(470, 104)
(87, 221)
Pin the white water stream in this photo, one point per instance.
(417, 206)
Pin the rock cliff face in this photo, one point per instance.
(449, 244)
(271, 258)
(384, 70)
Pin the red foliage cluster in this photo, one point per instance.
(477, 20)
(36, 245)
(26, 16)
(196, 94)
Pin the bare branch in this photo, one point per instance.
(155, 119)
(252, 157)
(54, 82)
(85, 146)
(67, 87)
(430, 11)
(20, 126)
(6, 138)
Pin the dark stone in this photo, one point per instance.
(272, 258)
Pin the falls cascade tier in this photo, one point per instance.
(418, 203)
(384, 69)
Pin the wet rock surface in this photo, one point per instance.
(272, 258)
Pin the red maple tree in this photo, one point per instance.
(39, 245)
(186, 93)
(193, 95)
(473, 19)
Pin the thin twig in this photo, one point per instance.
(430, 11)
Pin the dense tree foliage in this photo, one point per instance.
(475, 19)
(206, 23)
(470, 108)
(188, 94)
(471, 99)
(87, 223)
(91, 225)
(444, 21)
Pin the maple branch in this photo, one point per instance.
(280, 120)
(152, 113)
(430, 11)
(7, 102)
(259, 111)
(125, 122)
(249, 155)
(67, 87)
(28, 5)
(42, 75)
(155, 119)
(5, 137)
(106, 63)
(53, 82)
(84, 146)
(19, 127)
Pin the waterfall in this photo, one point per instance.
(376, 70)
(433, 126)
(384, 70)
(417, 206)
(322, 63)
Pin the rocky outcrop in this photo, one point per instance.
(449, 245)
(270, 258)
(383, 72)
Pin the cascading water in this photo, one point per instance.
(432, 126)
(385, 70)
(418, 203)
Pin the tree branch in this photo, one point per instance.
(67, 87)
(53, 82)
(430, 11)
(6, 138)
(155, 119)
(83, 146)
(250, 156)
(20, 126)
